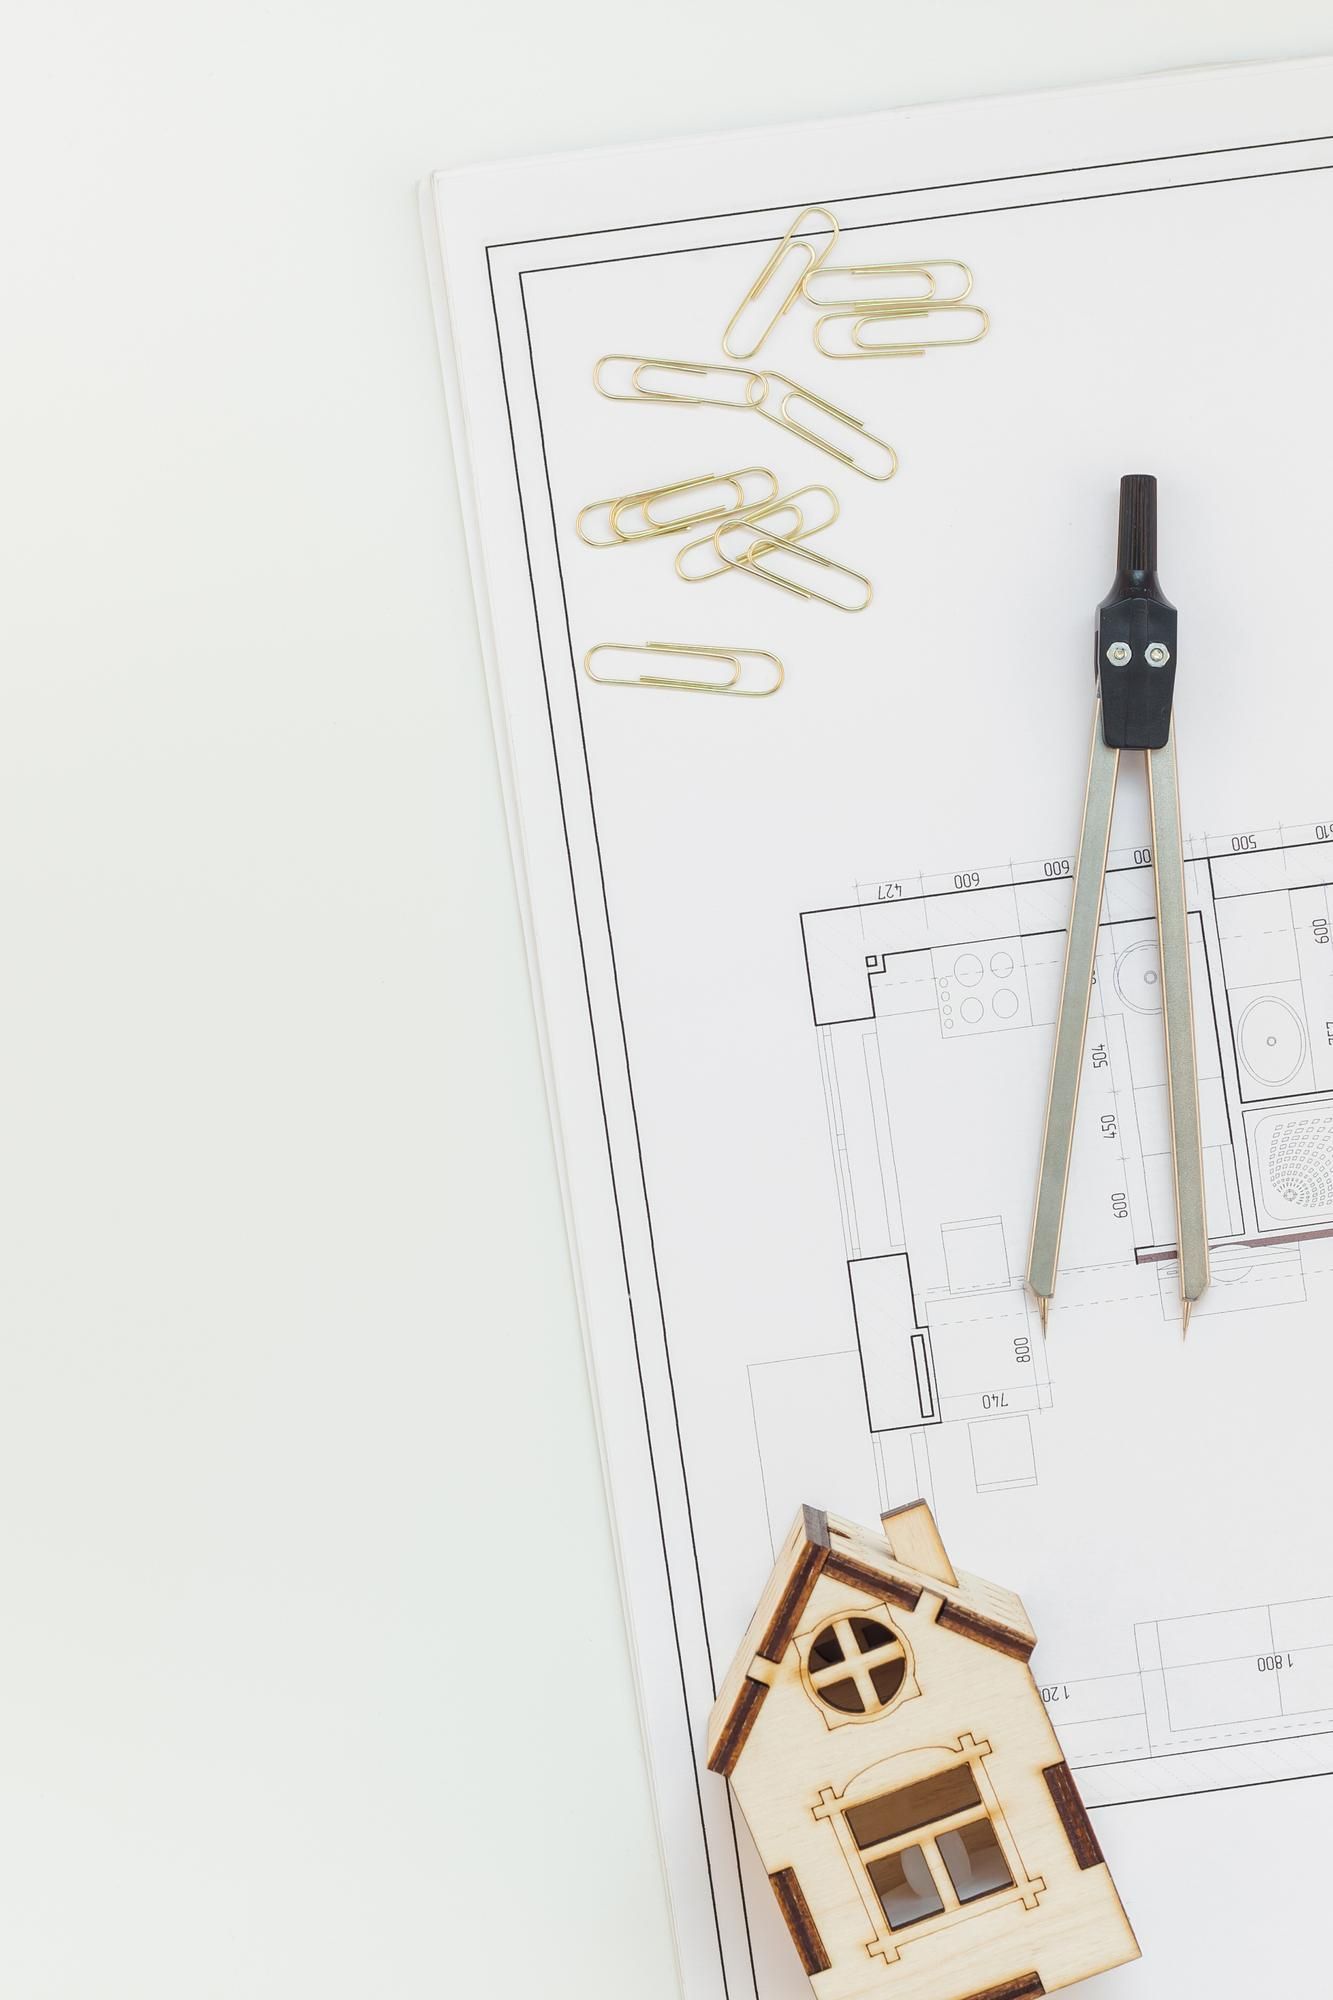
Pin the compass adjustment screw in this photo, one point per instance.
(1120, 654)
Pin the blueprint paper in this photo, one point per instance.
(797, 961)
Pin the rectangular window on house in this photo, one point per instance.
(929, 1848)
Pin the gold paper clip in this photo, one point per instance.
(828, 286)
(730, 656)
(813, 259)
(752, 563)
(791, 392)
(647, 525)
(639, 391)
(849, 296)
(868, 350)
(787, 505)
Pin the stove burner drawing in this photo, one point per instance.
(980, 990)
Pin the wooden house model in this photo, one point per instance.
(894, 1761)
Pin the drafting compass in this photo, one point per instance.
(1136, 669)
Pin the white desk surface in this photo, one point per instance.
(289, 1361)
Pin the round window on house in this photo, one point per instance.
(857, 1665)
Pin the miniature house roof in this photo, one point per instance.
(903, 1564)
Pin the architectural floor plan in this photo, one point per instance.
(933, 1003)
(796, 1101)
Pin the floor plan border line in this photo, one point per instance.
(521, 273)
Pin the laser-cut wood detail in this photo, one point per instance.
(857, 1665)
(845, 1569)
(804, 1931)
(915, 1540)
(787, 1614)
(894, 1762)
(985, 1631)
(725, 1753)
(1073, 1815)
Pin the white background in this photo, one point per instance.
(312, 1675)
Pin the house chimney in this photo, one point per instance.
(914, 1539)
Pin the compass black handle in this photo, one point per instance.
(1135, 656)
(1136, 555)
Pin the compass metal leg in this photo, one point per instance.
(1178, 1015)
(1057, 1142)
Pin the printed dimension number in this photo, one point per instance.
(1055, 1692)
(1062, 867)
